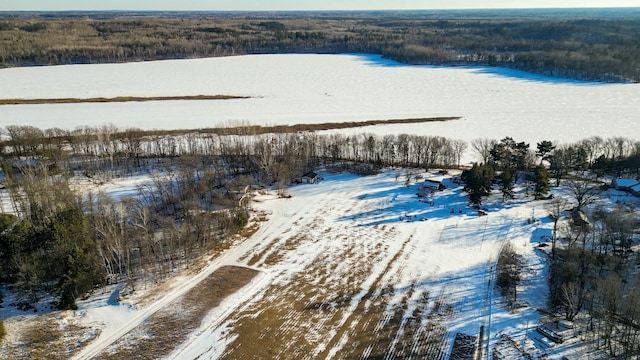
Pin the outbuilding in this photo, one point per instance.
(309, 178)
(579, 218)
(433, 185)
(624, 184)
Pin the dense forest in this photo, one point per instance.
(601, 45)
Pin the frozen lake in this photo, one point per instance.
(287, 89)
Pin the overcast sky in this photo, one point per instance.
(300, 4)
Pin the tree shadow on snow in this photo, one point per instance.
(496, 71)
(402, 204)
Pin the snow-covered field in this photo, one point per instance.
(494, 102)
(360, 267)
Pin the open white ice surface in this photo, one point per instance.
(309, 88)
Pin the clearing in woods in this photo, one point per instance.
(360, 268)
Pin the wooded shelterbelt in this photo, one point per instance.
(601, 44)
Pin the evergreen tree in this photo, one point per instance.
(511, 155)
(506, 185)
(601, 166)
(73, 261)
(542, 182)
(544, 149)
(11, 239)
(479, 182)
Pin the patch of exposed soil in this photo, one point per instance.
(171, 326)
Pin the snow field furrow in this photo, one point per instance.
(298, 313)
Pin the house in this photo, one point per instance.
(309, 178)
(624, 184)
(636, 189)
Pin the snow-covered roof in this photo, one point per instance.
(625, 183)
(636, 188)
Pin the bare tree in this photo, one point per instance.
(573, 299)
(560, 162)
(24, 139)
(593, 147)
(483, 147)
(583, 192)
(459, 146)
(555, 208)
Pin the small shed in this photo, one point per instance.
(433, 185)
(557, 331)
(309, 178)
(579, 218)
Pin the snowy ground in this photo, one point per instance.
(352, 266)
(289, 89)
(359, 266)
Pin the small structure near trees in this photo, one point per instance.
(433, 185)
(556, 331)
(428, 187)
(628, 185)
(309, 178)
(624, 184)
(579, 218)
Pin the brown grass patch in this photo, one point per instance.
(320, 307)
(166, 329)
(47, 337)
(255, 258)
(116, 99)
(249, 230)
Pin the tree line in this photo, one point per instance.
(108, 151)
(593, 46)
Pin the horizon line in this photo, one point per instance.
(328, 10)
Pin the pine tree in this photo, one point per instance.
(479, 182)
(74, 259)
(544, 149)
(506, 185)
(542, 182)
